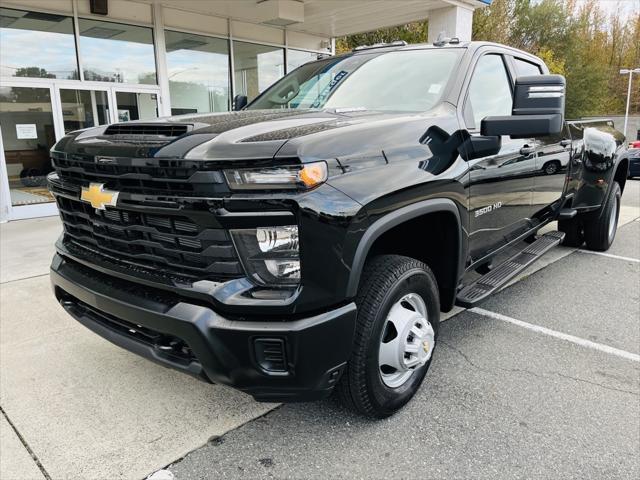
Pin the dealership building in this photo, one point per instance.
(72, 64)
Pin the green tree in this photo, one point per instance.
(574, 38)
(415, 32)
(34, 72)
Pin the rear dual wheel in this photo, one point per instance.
(596, 229)
(396, 334)
(600, 228)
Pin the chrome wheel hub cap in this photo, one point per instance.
(407, 340)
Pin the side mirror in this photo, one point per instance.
(239, 102)
(479, 147)
(538, 109)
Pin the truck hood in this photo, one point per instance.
(260, 135)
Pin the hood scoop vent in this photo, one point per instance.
(148, 129)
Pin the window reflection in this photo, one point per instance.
(83, 109)
(34, 44)
(256, 67)
(296, 58)
(198, 69)
(489, 75)
(136, 106)
(114, 52)
(26, 121)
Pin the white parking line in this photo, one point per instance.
(610, 255)
(562, 336)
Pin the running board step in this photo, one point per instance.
(474, 293)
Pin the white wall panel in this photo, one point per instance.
(258, 33)
(194, 22)
(305, 41)
(63, 6)
(121, 10)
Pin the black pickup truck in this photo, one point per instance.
(308, 242)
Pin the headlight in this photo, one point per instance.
(304, 177)
(270, 255)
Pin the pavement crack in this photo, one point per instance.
(26, 446)
(577, 379)
(13, 280)
(535, 374)
(464, 356)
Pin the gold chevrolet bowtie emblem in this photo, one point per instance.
(98, 197)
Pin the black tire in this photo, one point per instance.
(385, 280)
(573, 232)
(552, 167)
(599, 231)
(32, 177)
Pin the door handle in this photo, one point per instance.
(527, 150)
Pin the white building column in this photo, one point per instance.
(454, 21)
(164, 105)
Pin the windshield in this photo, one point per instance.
(405, 80)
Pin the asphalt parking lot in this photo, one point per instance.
(543, 381)
(500, 401)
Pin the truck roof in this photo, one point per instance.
(445, 44)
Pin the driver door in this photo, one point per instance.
(500, 187)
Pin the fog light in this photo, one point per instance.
(270, 255)
(284, 268)
(277, 238)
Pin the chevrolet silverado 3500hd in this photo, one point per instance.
(308, 242)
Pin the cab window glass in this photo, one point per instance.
(525, 69)
(489, 91)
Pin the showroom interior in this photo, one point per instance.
(72, 64)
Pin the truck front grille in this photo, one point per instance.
(172, 244)
(143, 176)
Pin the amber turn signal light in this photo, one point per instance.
(313, 174)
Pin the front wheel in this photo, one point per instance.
(396, 334)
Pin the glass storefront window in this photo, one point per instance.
(256, 67)
(136, 106)
(83, 108)
(115, 52)
(198, 70)
(34, 44)
(26, 121)
(296, 58)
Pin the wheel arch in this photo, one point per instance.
(621, 173)
(386, 236)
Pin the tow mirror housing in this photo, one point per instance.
(239, 102)
(538, 109)
(479, 147)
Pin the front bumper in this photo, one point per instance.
(191, 337)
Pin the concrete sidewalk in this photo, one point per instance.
(85, 408)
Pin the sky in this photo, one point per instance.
(625, 7)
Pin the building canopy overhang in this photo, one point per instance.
(329, 18)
